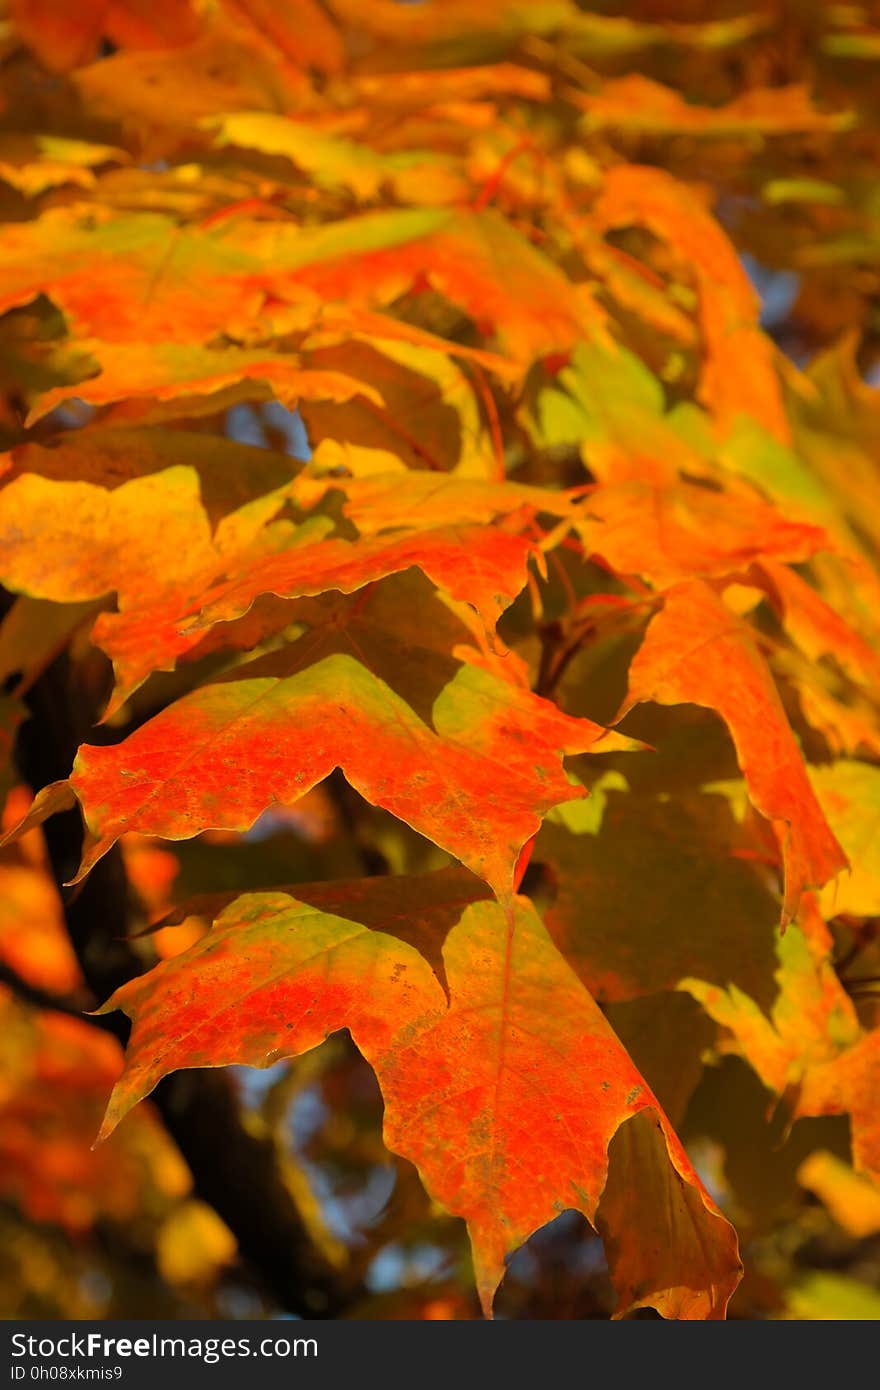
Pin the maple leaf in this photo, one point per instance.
(697, 651)
(147, 533)
(237, 483)
(169, 371)
(335, 162)
(638, 103)
(849, 793)
(646, 886)
(818, 628)
(142, 278)
(385, 501)
(227, 64)
(609, 406)
(847, 1084)
(808, 493)
(266, 728)
(500, 22)
(811, 1047)
(154, 637)
(301, 31)
(633, 195)
(674, 533)
(810, 1021)
(531, 308)
(507, 1127)
(62, 40)
(34, 163)
(124, 516)
(150, 538)
(465, 754)
(484, 568)
(125, 277)
(430, 417)
(668, 1036)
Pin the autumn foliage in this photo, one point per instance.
(441, 653)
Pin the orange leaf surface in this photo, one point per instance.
(72, 542)
(478, 786)
(485, 268)
(507, 1126)
(153, 636)
(168, 371)
(673, 533)
(817, 628)
(141, 278)
(848, 1084)
(637, 103)
(388, 500)
(739, 375)
(482, 567)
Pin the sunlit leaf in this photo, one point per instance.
(311, 967)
